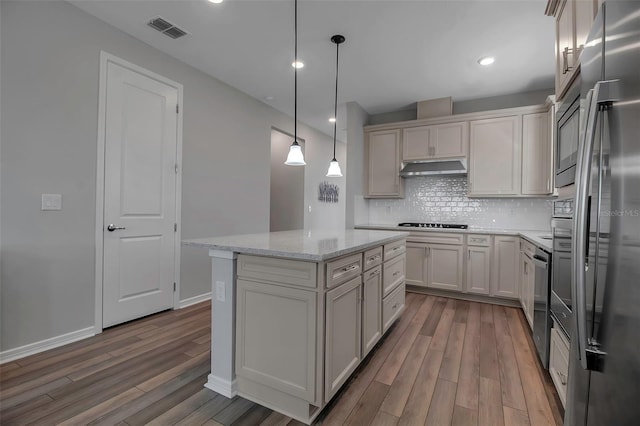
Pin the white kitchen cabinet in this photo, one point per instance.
(444, 267)
(527, 283)
(416, 264)
(479, 270)
(371, 309)
(343, 335)
(506, 254)
(439, 141)
(559, 362)
(536, 154)
(382, 164)
(495, 152)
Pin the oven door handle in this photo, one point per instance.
(604, 92)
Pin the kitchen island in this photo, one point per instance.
(295, 312)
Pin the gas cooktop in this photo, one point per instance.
(433, 225)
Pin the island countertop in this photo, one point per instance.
(299, 244)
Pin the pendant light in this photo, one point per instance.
(295, 157)
(334, 167)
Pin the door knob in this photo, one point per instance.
(112, 227)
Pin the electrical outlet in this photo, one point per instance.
(220, 291)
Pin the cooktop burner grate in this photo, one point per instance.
(433, 225)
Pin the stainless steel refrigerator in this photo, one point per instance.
(604, 370)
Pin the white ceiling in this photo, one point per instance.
(396, 52)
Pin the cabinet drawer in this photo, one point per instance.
(527, 247)
(393, 274)
(436, 237)
(277, 271)
(372, 272)
(372, 258)
(392, 307)
(559, 362)
(343, 269)
(479, 240)
(393, 249)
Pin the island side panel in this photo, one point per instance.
(223, 323)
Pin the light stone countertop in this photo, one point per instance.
(533, 236)
(300, 244)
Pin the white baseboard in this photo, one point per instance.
(222, 386)
(193, 300)
(45, 345)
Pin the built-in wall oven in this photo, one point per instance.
(568, 135)
(561, 229)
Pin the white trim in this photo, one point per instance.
(45, 345)
(105, 58)
(222, 386)
(193, 300)
(223, 254)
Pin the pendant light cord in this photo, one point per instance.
(295, 74)
(335, 105)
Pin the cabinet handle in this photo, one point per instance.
(373, 258)
(563, 378)
(394, 306)
(469, 254)
(396, 273)
(565, 60)
(428, 251)
(374, 273)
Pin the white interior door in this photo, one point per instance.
(141, 125)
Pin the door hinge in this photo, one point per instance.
(175, 227)
(174, 287)
(177, 109)
(176, 168)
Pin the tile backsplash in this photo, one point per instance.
(444, 199)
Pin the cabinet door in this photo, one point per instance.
(564, 47)
(383, 164)
(276, 337)
(343, 335)
(444, 266)
(371, 309)
(494, 156)
(506, 252)
(449, 140)
(416, 267)
(536, 154)
(584, 15)
(478, 270)
(527, 283)
(415, 143)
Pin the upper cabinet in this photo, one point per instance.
(439, 141)
(382, 164)
(573, 21)
(494, 156)
(537, 153)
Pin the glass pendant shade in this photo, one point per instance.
(334, 169)
(295, 157)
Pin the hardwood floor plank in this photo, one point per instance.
(512, 392)
(253, 417)
(30, 393)
(401, 387)
(486, 313)
(488, 352)
(441, 335)
(538, 406)
(8, 367)
(199, 350)
(183, 409)
(464, 417)
(473, 318)
(392, 364)
(430, 325)
(166, 376)
(462, 311)
(195, 320)
(384, 419)
(276, 419)
(417, 407)
(232, 411)
(441, 407)
(515, 417)
(21, 409)
(209, 410)
(490, 403)
(367, 407)
(450, 368)
(469, 376)
(211, 422)
(101, 409)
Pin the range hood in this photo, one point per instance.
(449, 166)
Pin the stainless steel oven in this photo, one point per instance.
(568, 134)
(541, 320)
(561, 229)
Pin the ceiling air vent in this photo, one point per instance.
(166, 27)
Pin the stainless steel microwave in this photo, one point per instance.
(568, 135)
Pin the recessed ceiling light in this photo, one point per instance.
(216, 1)
(332, 120)
(486, 60)
(297, 64)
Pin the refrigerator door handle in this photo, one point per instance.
(603, 94)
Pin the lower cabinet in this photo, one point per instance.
(527, 284)
(343, 335)
(444, 267)
(416, 270)
(479, 270)
(371, 309)
(392, 307)
(559, 362)
(506, 253)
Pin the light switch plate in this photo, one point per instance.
(220, 291)
(51, 202)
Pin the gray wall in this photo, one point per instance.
(287, 187)
(50, 66)
(356, 208)
(536, 97)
